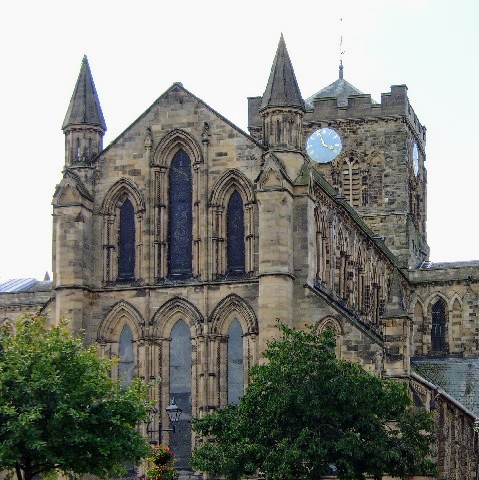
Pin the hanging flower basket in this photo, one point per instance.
(162, 464)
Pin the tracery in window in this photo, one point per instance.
(235, 362)
(235, 235)
(180, 217)
(126, 242)
(126, 366)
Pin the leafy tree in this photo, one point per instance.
(60, 410)
(307, 414)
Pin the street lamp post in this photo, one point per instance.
(173, 412)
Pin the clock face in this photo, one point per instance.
(324, 145)
(415, 158)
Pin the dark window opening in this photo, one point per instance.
(438, 332)
(126, 244)
(180, 218)
(235, 235)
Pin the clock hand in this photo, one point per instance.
(323, 143)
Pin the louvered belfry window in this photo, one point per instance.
(126, 243)
(180, 217)
(235, 235)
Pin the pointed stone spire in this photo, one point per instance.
(282, 89)
(84, 125)
(84, 108)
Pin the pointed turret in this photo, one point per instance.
(84, 125)
(282, 89)
(282, 106)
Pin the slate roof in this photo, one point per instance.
(459, 377)
(340, 89)
(282, 89)
(84, 105)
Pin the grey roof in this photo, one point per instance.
(84, 105)
(24, 285)
(428, 265)
(282, 89)
(340, 89)
(459, 377)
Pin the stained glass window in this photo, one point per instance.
(180, 215)
(235, 235)
(126, 247)
(235, 362)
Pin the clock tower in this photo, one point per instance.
(373, 154)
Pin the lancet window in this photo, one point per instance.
(180, 388)
(126, 242)
(122, 211)
(126, 366)
(235, 235)
(180, 217)
(438, 332)
(235, 363)
(232, 207)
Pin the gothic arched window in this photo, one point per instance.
(180, 389)
(438, 332)
(126, 242)
(235, 363)
(126, 366)
(235, 235)
(180, 217)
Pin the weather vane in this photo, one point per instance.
(341, 51)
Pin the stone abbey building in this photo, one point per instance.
(179, 245)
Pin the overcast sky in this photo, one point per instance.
(222, 52)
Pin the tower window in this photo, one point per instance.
(126, 244)
(235, 235)
(180, 218)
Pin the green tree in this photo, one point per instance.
(307, 414)
(59, 409)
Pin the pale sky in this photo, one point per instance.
(222, 52)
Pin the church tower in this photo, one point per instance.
(372, 153)
(84, 127)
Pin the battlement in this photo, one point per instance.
(394, 103)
